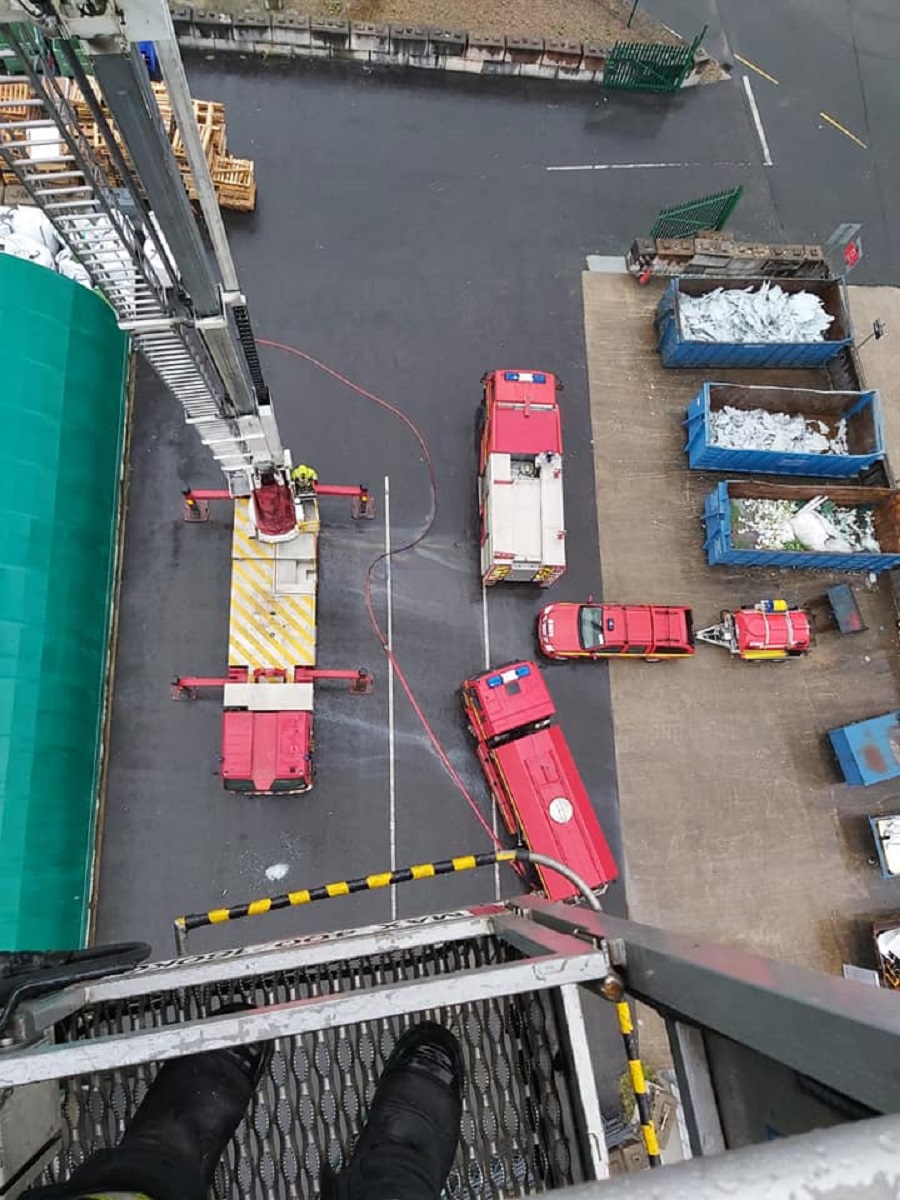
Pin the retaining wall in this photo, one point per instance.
(291, 35)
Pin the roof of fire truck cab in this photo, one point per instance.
(525, 414)
(511, 697)
(554, 809)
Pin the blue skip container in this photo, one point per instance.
(676, 350)
(722, 544)
(861, 412)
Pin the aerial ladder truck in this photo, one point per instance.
(177, 294)
(81, 1034)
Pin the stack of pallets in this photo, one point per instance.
(233, 178)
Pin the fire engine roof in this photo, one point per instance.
(554, 809)
(525, 415)
(511, 697)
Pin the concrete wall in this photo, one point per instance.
(291, 35)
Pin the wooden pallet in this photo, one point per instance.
(235, 182)
(10, 93)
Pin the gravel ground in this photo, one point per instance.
(600, 21)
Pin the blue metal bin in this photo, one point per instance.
(676, 351)
(860, 410)
(720, 549)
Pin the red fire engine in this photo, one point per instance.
(520, 484)
(533, 777)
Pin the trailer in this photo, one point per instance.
(520, 479)
(868, 751)
(768, 631)
(730, 542)
(533, 777)
(847, 428)
(677, 350)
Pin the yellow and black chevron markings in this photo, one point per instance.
(345, 887)
(639, 1083)
(265, 630)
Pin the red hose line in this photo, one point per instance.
(373, 565)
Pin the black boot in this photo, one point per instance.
(173, 1144)
(408, 1143)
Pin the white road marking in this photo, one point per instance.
(486, 634)
(389, 632)
(646, 166)
(486, 629)
(757, 121)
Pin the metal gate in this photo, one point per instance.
(696, 216)
(649, 66)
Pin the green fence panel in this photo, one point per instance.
(649, 66)
(62, 404)
(694, 216)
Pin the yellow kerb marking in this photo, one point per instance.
(338, 889)
(844, 130)
(753, 67)
(423, 871)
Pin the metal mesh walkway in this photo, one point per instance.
(518, 1131)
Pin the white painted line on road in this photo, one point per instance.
(757, 121)
(389, 637)
(646, 166)
(486, 629)
(486, 635)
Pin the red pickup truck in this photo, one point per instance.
(533, 777)
(592, 630)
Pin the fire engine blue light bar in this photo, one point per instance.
(524, 376)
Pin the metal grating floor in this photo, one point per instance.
(518, 1133)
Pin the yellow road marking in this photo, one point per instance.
(753, 67)
(844, 130)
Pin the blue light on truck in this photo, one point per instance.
(521, 672)
(524, 377)
(495, 681)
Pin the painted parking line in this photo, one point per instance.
(752, 66)
(389, 637)
(646, 166)
(843, 129)
(486, 637)
(757, 121)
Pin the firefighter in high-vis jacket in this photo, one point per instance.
(304, 479)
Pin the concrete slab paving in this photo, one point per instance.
(735, 823)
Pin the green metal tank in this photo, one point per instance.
(63, 369)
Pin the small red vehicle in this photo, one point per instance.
(591, 630)
(533, 777)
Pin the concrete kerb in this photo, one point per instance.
(294, 35)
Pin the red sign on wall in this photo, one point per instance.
(852, 254)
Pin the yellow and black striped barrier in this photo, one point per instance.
(344, 887)
(638, 1082)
